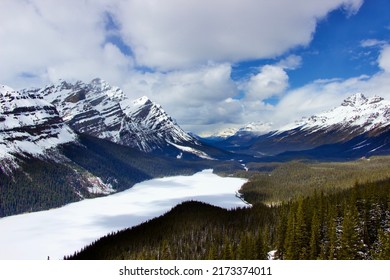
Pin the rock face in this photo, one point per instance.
(103, 111)
(29, 124)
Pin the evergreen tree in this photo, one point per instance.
(165, 251)
(351, 242)
(212, 255)
(290, 241)
(228, 253)
(301, 235)
(281, 235)
(261, 248)
(332, 235)
(383, 246)
(315, 237)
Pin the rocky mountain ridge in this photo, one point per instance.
(104, 111)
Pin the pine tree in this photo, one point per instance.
(332, 234)
(227, 253)
(351, 242)
(290, 242)
(382, 248)
(165, 251)
(261, 249)
(281, 235)
(212, 255)
(301, 235)
(315, 237)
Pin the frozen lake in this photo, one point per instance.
(62, 231)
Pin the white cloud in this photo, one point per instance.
(270, 81)
(291, 62)
(384, 59)
(372, 43)
(174, 34)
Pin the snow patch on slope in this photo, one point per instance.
(98, 186)
(196, 152)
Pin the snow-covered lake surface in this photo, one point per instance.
(62, 231)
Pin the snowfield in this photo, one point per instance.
(62, 231)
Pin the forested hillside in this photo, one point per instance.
(272, 183)
(349, 224)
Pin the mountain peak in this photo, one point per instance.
(6, 89)
(354, 100)
(141, 101)
(258, 128)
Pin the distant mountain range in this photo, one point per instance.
(360, 126)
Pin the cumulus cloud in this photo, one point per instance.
(291, 62)
(384, 59)
(174, 34)
(270, 81)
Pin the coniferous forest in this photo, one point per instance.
(350, 224)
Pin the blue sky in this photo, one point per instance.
(211, 64)
(336, 49)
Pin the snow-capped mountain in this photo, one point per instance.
(104, 111)
(222, 134)
(255, 128)
(357, 116)
(29, 125)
